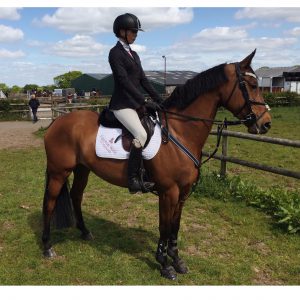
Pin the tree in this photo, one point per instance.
(64, 81)
(30, 87)
(4, 88)
(15, 89)
(49, 87)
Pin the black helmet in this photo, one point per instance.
(126, 21)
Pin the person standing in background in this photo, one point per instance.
(34, 105)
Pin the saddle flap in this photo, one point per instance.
(108, 119)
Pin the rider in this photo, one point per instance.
(127, 97)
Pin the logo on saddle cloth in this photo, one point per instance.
(108, 119)
(111, 137)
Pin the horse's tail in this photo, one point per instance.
(63, 212)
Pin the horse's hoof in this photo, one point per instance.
(87, 236)
(180, 266)
(169, 273)
(49, 253)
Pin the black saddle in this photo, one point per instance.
(108, 119)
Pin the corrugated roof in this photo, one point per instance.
(274, 72)
(97, 76)
(172, 77)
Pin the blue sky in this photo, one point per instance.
(39, 43)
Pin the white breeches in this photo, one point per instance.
(130, 119)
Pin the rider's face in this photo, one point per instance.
(131, 35)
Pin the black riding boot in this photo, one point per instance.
(135, 174)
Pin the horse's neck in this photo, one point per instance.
(193, 134)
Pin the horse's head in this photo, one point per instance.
(243, 98)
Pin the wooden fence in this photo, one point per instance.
(224, 158)
(57, 111)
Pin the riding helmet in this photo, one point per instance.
(126, 21)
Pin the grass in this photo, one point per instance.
(223, 243)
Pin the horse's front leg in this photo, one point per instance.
(167, 205)
(172, 250)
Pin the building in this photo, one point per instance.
(279, 79)
(170, 79)
(104, 83)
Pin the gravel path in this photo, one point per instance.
(19, 134)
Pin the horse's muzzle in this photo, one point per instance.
(260, 127)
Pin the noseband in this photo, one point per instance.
(251, 118)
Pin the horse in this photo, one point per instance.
(189, 113)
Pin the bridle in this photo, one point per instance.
(251, 118)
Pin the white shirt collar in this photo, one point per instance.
(125, 45)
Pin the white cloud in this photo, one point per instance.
(294, 32)
(11, 54)
(100, 19)
(138, 48)
(223, 33)
(9, 13)
(289, 14)
(212, 46)
(231, 39)
(9, 34)
(77, 46)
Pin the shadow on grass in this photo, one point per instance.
(108, 237)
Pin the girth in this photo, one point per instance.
(108, 119)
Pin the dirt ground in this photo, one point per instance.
(20, 134)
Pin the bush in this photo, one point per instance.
(4, 105)
(283, 206)
(282, 99)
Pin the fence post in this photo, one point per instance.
(224, 153)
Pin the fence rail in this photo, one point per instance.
(57, 111)
(225, 158)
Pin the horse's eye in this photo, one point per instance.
(254, 86)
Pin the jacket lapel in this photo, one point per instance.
(126, 53)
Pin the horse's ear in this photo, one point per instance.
(246, 62)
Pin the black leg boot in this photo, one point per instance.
(135, 181)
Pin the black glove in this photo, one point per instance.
(152, 105)
(159, 100)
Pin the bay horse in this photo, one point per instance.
(190, 111)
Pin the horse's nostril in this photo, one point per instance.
(267, 125)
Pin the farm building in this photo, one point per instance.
(104, 83)
(279, 79)
(172, 79)
(93, 81)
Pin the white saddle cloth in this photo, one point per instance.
(107, 148)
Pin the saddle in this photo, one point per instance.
(108, 119)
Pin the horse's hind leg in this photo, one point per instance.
(81, 174)
(53, 188)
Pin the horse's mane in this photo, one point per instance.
(203, 82)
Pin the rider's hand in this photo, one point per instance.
(152, 105)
